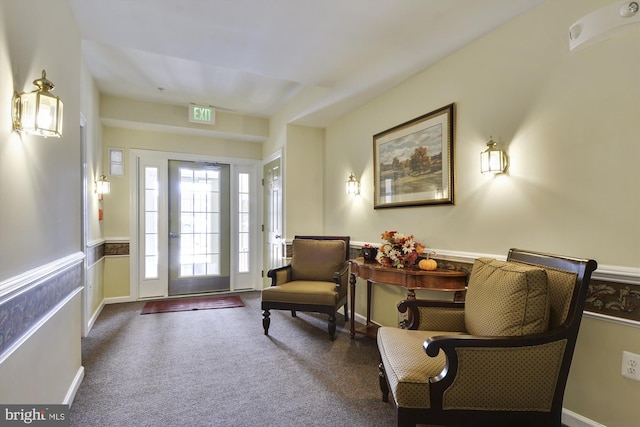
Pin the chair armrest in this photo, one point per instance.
(432, 315)
(341, 279)
(280, 275)
(476, 357)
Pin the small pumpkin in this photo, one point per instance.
(427, 264)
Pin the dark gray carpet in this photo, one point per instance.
(217, 368)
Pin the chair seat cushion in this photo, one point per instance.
(506, 299)
(407, 366)
(302, 292)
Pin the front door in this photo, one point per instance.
(199, 227)
(272, 215)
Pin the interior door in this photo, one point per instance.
(272, 174)
(199, 227)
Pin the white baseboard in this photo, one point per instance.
(94, 317)
(359, 318)
(75, 385)
(571, 419)
(116, 300)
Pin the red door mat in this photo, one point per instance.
(188, 304)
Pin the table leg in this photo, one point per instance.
(352, 304)
(369, 287)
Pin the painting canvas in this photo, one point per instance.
(414, 161)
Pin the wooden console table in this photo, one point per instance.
(436, 280)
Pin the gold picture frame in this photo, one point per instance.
(414, 162)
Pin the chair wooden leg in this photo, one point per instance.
(346, 312)
(384, 387)
(266, 321)
(293, 313)
(332, 326)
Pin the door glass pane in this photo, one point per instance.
(199, 222)
(151, 227)
(151, 222)
(151, 267)
(243, 222)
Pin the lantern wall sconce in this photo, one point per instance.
(353, 185)
(38, 112)
(493, 160)
(102, 187)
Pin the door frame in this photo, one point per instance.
(84, 228)
(134, 197)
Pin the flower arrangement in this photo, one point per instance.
(399, 251)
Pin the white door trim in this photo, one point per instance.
(134, 247)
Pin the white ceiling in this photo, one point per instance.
(252, 56)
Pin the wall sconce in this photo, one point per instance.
(353, 186)
(493, 160)
(102, 187)
(602, 23)
(38, 112)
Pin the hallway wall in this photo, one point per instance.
(40, 214)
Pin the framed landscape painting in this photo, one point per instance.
(413, 162)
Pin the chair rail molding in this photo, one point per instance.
(29, 277)
(622, 284)
(29, 300)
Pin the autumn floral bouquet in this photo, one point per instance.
(398, 250)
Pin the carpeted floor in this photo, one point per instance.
(217, 368)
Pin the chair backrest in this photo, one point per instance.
(318, 257)
(346, 239)
(506, 299)
(568, 280)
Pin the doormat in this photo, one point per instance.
(188, 304)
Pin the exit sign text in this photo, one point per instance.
(202, 114)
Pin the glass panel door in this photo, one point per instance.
(199, 236)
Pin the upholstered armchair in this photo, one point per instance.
(502, 357)
(316, 280)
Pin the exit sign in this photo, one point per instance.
(202, 114)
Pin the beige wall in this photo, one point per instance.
(121, 112)
(596, 389)
(40, 190)
(569, 122)
(303, 172)
(116, 277)
(302, 150)
(92, 128)
(90, 110)
(40, 177)
(116, 204)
